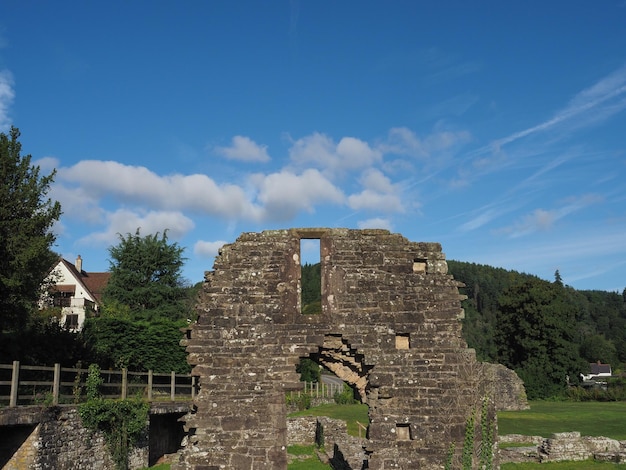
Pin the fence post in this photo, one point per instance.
(150, 385)
(193, 387)
(173, 386)
(56, 385)
(124, 382)
(15, 380)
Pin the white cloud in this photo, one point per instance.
(244, 149)
(376, 181)
(124, 221)
(375, 223)
(320, 150)
(78, 204)
(7, 94)
(47, 164)
(284, 194)
(374, 201)
(197, 192)
(379, 194)
(208, 249)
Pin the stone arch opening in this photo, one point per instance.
(338, 356)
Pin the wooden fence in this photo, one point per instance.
(28, 385)
(319, 390)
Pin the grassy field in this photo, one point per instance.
(348, 413)
(585, 465)
(545, 418)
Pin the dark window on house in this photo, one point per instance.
(71, 321)
(62, 299)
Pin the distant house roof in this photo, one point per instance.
(599, 368)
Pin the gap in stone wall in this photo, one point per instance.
(310, 279)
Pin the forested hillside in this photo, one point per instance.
(546, 331)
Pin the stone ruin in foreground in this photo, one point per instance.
(390, 326)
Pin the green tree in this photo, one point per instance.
(146, 276)
(311, 285)
(26, 218)
(309, 370)
(534, 336)
(597, 348)
(139, 345)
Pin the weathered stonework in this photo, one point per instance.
(59, 441)
(389, 326)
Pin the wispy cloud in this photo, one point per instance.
(578, 246)
(403, 141)
(602, 98)
(7, 94)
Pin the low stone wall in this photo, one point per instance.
(61, 442)
(301, 430)
(343, 452)
(564, 446)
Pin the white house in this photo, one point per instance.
(598, 371)
(75, 291)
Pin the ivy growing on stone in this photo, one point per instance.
(121, 421)
(484, 429)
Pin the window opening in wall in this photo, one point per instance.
(403, 341)
(403, 432)
(310, 277)
(419, 265)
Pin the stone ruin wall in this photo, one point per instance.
(390, 326)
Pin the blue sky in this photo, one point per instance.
(495, 128)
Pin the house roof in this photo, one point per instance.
(599, 368)
(94, 283)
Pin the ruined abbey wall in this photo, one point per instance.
(390, 326)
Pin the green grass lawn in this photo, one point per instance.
(546, 417)
(348, 413)
(310, 460)
(584, 465)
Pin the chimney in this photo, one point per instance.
(79, 264)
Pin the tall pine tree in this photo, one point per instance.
(26, 239)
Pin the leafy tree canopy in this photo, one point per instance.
(26, 217)
(138, 345)
(507, 320)
(146, 277)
